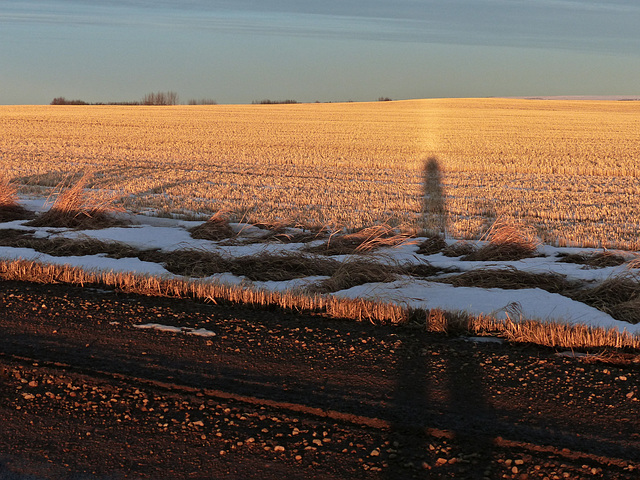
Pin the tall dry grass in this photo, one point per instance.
(8, 192)
(517, 330)
(10, 209)
(506, 241)
(75, 207)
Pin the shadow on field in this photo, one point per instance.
(439, 400)
(439, 411)
(434, 210)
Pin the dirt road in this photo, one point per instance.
(87, 394)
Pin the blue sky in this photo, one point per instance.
(236, 51)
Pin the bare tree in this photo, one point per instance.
(160, 98)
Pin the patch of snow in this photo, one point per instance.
(483, 339)
(171, 234)
(200, 332)
(533, 303)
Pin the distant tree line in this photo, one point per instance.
(273, 102)
(64, 101)
(156, 98)
(171, 98)
(202, 101)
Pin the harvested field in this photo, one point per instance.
(567, 168)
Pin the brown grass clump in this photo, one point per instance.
(431, 245)
(281, 236)
(188, 262)
(511, 279)
(593, 260)
(627, 311)
(426, 270)
(73, 208)
(618, 296)
(356, 272)
(507, 241)
(216, 228)
(459, 249)
(9, 237)
(366, 240)
(9, 208)
(64, 247)
(286, 266)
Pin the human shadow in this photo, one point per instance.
(439, 410)
(433, 211)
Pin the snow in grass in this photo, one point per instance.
(531, 303)
(172, 234)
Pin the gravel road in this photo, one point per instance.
(85, 394)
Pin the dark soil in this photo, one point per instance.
(84, 394)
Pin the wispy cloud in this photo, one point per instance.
(594, 25)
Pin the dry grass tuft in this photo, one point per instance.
(74, 208)
(527, 331)
(281, 236)
(627, 311)
(287, 266)
(507, 241)
(618, 296)
(216, 228)
(511, 279)
(8, 192)
(9, 208)
(189, 262)
(9, 237)
(425, 270)
(363, 241)
(593, 260)
(431, 245)
(354, 272)
(64, 247)
(459, 249)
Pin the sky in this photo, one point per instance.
(238, 51)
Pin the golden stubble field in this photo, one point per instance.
(567, 168)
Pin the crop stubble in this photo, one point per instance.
(567, 168)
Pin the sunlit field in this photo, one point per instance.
(569, 169)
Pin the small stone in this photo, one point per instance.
(441, 461)
(278, 448)
(375, 452)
